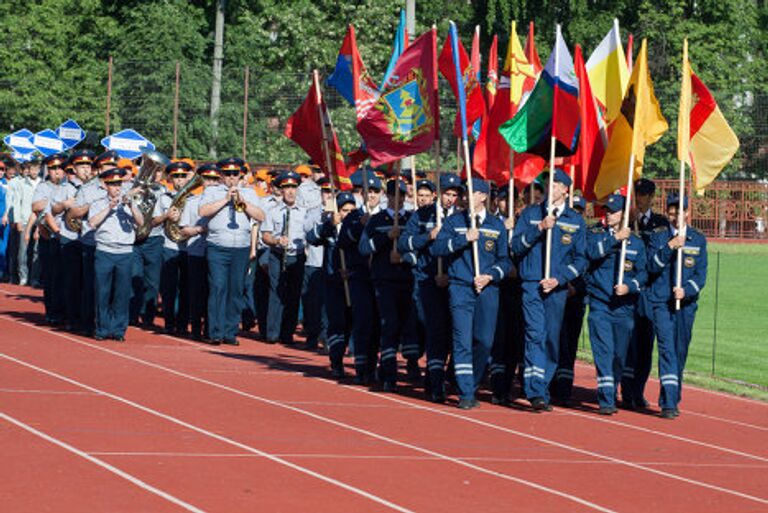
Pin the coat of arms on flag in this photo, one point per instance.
(407, 114)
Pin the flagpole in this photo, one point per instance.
(511, 193)
(328, 164)
(572, 174)
(413, 179)
(438, 205)
(552, 141)
(465, 143)
(625, 221)
(681, 196)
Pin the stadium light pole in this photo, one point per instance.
(218, 58)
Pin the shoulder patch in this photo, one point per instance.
(597, 229)
(660, 229)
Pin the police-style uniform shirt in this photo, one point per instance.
(86, 195)
(190, 216)
(662, 264)
(158, 191)
(646, 224)
(493, 251)
(65, 192)
(567, 259)
(308, 195)
(43, 191)
(414, 243)
(604, 254)
(314, 251)
(375, 241)
(117, 233)
(229, 228)
(161, 207)
(275, 223)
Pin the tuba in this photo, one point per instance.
(75, 224)
(144, 199)
(172, 230)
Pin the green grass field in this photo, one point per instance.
(732, 321)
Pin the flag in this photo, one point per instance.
(306, 128)
(638, 124)
(531, 54)
(630, 49)
(492, 154)
(473, 94)
(404, 118)
(475, 60)
(350, 77)
(552, 109)
(704, 139)
(492, 78)
(593, 138)
(608, 74)
(398, 47)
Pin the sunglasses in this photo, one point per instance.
(51, 168)
(233, 172)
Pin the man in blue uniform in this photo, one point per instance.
(640, 355)
(392, 283)
(229, 209)
(612, 304)
(114, 223)
(325, 233)
(544, 298)
(431, 289)
(474, 298)
(674, 327)
(573, 319)
(283, 231)
(365, 322)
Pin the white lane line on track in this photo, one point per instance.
(423, 458)
(734, 422)
(42, 392)
(210, 434)
(425, 408)
(371, 434)
(103, 464)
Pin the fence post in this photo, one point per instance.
(714, 327)
(109, 96)
(176, 109)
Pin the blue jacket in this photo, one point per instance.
(493, 251)
(414, 243)
(568, 258)
(645, 231)
(375, 242)
(604, 253)
(324, 234)
(662, 263)
(348, 239)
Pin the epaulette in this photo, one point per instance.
(660, 229)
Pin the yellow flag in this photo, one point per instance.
(516, 67)
(608, 72)
(704, 139)
(638, 124)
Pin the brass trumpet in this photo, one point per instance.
(238, 203)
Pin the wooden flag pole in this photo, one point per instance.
(328, 163)
(511, 192)
(245, 111)
(572, 174)
(176, 109)
(552, 143)
(681, 225)
(438, 202)
(625, 220)
(472, 221)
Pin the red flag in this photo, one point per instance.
(305, 128)
(630, 60)
(492, 80)
(593, 138)
(403, 120)
(474, 95)
(531, 54)
(475, 58)
(351, 78)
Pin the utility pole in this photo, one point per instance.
(218, 58)
(410, 27)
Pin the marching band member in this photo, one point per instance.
(114, 223)
(229, 209)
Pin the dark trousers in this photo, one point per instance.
(248, 315)
(543, 314)
(226, 274)
(88, 291)
(507, 351)
(365, 326)
(312, 304)
(51, 277)
(673, 334)
(610, 330)
(113, 278)
(284, 296)
(72, 275)
(261, 289)
(197, 273)
(573, 319)
(145, 279)
(640, 355)
(338, 329)
(398, 325)
(433, 308)
(474, 325)
(12, 252)
(173, 287)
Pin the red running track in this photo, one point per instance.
(164, 424)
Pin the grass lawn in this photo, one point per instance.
(738, 333)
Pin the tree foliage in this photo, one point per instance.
(55, 53)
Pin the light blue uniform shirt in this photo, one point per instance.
(117, 232)
(229, 228)
(190, 217)
(314, 253)
(275, 221)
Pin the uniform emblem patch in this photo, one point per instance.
(689, 262)
(566, 238)
(628, 265)
(489, 245)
